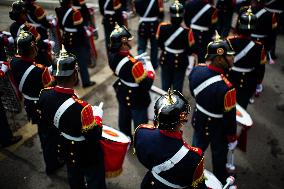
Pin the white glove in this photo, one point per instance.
(54, 22)
(232, 145)
(88, 32)
(259, 88)
(4, 67)
(98, 111)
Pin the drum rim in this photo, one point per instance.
(125, 138)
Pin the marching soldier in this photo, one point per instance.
(75, 38)
(151, 12)
(249, 61)
(111, 10)
(176, 43)
(178, 165)
(133, 83)
(201, 17)
(79, 124)
(225, 10)
(19, 15)
(214, 118)
(6, 135)
(31, 78)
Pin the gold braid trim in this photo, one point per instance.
(111, 174)
(196, 182)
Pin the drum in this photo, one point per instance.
(115, 145)
(211, 181)
(155, 93)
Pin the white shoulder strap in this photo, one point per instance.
(148, 8)
(23, 79)
(173, 36)
(200, 13)
(206, 83)
(244, 51)
(66, 15)
(61, 110)
(120, 64)
(106, 4)
(261, 12)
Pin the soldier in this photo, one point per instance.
(75, 38)
(176, 43)
(31, 78)
(19, 15)
(151, 12)
(225, 13)
(178, 165)
(79, 124)
(201, 17)
(133, 83)
(250, 59)
(111, 10)
(214, 118)
(6, 135)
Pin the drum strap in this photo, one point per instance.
(244, 51)
(120, 64)
(200, 13)
(173, 36)
(61, 110)
(260, 13)
(147, 10)
(167, 165)
(206, 83)
(23, 79)
(66, 15)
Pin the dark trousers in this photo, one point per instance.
(83, 56)
(107, 30)
(5, 131)
(126, 114)
(243, 97)
(224, 22)
(93, 176)
(172, 77)
(219, 148)
(201, 41)
(142, 46)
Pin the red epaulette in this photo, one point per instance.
(159, 28)
(77, 17)
(116, 4)
(230, 99)
(147, 126)
(82, 2)
(228, 83)
(88, 120)
(39, 12)
(195, 149)
(47, 79)
(214, 17)
(191, 39)
(44, 89)
(201, 64)
(33, 30)
(81, 102)
(42, 67)
(198, 175)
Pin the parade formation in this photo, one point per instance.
(220, 47)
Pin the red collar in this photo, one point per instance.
(175, 134)
(215, 69)
(241, 36)
(32, 60)
(64, 90)
(124, 53)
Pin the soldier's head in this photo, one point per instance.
(26, 44)
(65, 68)
(220, 53)
(29, 1)
(246, 22)
(18, 11)
(176, 12)
(65, 3)
(119, 38)
(171, 111)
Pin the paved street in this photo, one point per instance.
(22, 167)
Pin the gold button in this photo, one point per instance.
(72, 142)
(163, 58)
(127, 98)
(165, 52)
(242, 80)
(119, 83)
(241, 86)
(73, 161)
(152, 183)
(110, 18)
(129, 91)
(152, 24)
(209, 118)
(58, 145)
(128, 104)
(161, 62)
(58, 151)
(71, 153)
(71, 33)
(244, 73)
(176, 55)
(227, 75)
(176, 61)
(206, 128)
(176, 66)
(196, 109)
(206, 133)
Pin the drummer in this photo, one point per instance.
(214, 118)
(79, 124)
(170, 161)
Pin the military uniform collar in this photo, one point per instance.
(215, 69)
(64, 90)
(175, 134)
(26, 58)
(124, 53)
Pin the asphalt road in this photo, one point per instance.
(261, 167)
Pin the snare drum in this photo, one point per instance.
(115, 145)
(244, 120)
(211, 181)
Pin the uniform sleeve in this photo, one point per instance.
(46, 78)
(77, 18)
(41, 16)
(191, 42)
(260, 69)
(230, 114)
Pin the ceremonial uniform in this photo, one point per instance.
(225, 12)
(201, 17)
(214, 118)
(176, 43)
(151, 12)
(75, 39)
(111, 10)
(248, 69)
(155, 148)
(80, 135)
(82, 7)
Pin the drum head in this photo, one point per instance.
(114, 135)
(243, 117)
(211, 181)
